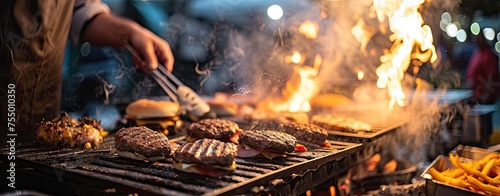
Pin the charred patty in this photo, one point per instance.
(207, 152)
(340, 123)
(219, 129)
(270, 140)
(307, 133)
(142, 142)
(272, 120)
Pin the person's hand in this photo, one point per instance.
(153, 50)
(110, 30)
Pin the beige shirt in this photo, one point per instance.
(84, 10)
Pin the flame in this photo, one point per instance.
(295, 58)
(412, 39)
(309, 29)
(299, 89)
(363, 34)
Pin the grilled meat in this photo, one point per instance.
(65, 131)
(223, 130)
(208, 152)
(143, 141)
(306, 133)
(269, 140)
(340, 123)
(272, 120)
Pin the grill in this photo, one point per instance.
(384, 132)
(97, 172)
(379, 130)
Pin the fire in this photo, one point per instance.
(363, 34)
(296, 57)
(303, 84)
(309, 29)
(411, 38)
(301, 87)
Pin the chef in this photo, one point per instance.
(32, 42)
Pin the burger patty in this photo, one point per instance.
(273, 120)
(340, 123)
(305, 132)
(142, 140)
(207, 152)
(213, 129)
(269, 140)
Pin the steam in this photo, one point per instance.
(246, 56)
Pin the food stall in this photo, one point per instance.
(363, 73)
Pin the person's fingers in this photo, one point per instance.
(148, 54)
(152, 49)
(165, 56)
(138, 62)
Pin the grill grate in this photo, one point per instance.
(160, 178)
(380, 129)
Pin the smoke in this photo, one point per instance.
(433, 124)
(237, 48)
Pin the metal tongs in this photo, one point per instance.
(190, 101)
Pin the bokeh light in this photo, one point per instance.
(442, 25)
(498, 36)
(275, 12)
(497, 47)
(452, 30)
(489, 34)
(446, 18)
(461, 35)
(475, 28)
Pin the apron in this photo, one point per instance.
(33, 39)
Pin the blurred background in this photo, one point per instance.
(238, 47)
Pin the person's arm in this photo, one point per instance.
(94, 23)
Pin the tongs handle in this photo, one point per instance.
(167, 87)
(189, 100)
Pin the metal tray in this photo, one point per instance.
(470, 152)
(433, 187)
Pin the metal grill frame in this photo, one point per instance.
(78, 181)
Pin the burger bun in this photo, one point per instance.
(148, 108)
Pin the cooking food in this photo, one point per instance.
(328, 102)
(340, 123)
(161, 116)
(307, 134)
(480, 176)
(141, 143)
(223, 108)
(268, 143)
(272, 120)
(207, 157)
(219, 129)
(65, 131)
